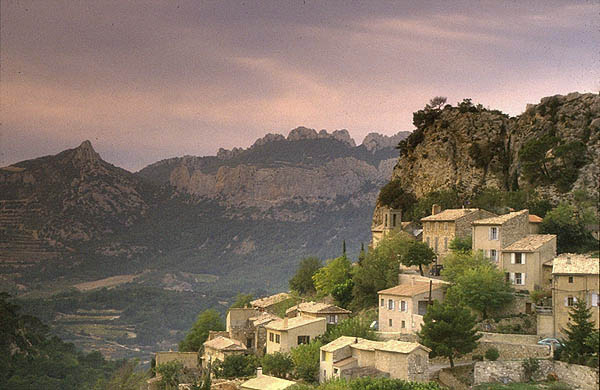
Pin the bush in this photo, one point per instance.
(559, 386)
(393, 195)
(477, 357)
(492, 354)
(530, 367)
(277, 364)
(236, 366)
(306, 361)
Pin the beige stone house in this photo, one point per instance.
(352, 357)
(535, 224)
(219, 348)
(285, 334)
(188, 359)
(387, 220)
(574, 277)
(401, 308)
(491, 235)
(247, 325)
(269, 303)
(441, 227)
(266, 382)
(333, 314)
(523, 260)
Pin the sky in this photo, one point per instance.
(148, 80)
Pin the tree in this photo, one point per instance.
(336, 271)
(344, 248)
(302, 282)
(457, 263)
(437, 102)
(568, 223)
(242, 300)
(342, 293)
(577, 349)
(448, 331)
(207, 320)
(171, 373)
(235, 366)
(277, 364)
(461, 244)
(127, 377)
(418, 254)
(361, 254)
(393, 195)
(352, 327)
(484, 289)
(306, 361)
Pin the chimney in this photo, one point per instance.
(285, 323)
(436, 209)
(258, 372)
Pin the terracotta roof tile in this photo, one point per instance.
(290, 323)
(530, 242)
(318, 308)
(449, 215)
(266, 382)
(499, 220)
(535, 219)
(409, 289)
(270, 300)
(572, 264)
(225, 344)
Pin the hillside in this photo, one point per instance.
(550, 151)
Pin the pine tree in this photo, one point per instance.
(344, 248)
(361, 255)
(579, 328)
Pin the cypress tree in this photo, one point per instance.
(578, 329)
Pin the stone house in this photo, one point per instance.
(266, 382)
(574, 277)
(492, 235)
(333, 314)
(351, 357)
(535, 224)
(269, 303)
(219, 348)
(401, 308)
(387, 220)
(523, 260)
(441, 227)
(247, 325)
(188, 359)
(285, 334)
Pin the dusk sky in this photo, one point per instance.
(148, 80)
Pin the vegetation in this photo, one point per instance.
(569, 222)
(457, 263)
(337, 271)
(353, 327)
(369, 384)
(242, 300)
(235, 366)
(393, 196)
(302, 282)
(417, 254)
(492, 354)
(580, 345)
(32, 359)
(306, 361)
(207, 320)
(127, 377)
(277, 364)
(461, 244)
(530, 368)
(449, 331)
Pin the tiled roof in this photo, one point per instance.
(266, 382)
(263, 318)
(411, 289)
(499, 220)
(530, 242)
(225, 344)
(571, 264)
(318, 308)
(401, 346)
(291, 323)
(535, 219)
(370, 345)
(338, 343)
(270, 300)
(345, 362)
(366, 345)
(448, 215)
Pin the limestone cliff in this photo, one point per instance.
(553, 148)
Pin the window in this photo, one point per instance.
(507, 277)
(335, 370)
(386, 221)
(518, 258)
(493, 233)
(436, 244)
(303, 340)
(323, 355)
(428, 244)
(382, 302)
(493, 255)
(446, 243)
(249, 342)
(325, 374)
(519, 278)
(402, 305)
(594, 299)
(277, 339)
(390, 304)
(271, 337)
(390, 322)
(332, 318)
(394, 220)
(403, 324)
(570, 279)
(570, 301)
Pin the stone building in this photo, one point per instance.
(523, 260)
(441, 227)
(573, 277)
(269, 303)
(401, 308)
(188, 359)
(266, 382)
(387, 220)
(351, 357)
(492, 235)
(283, 335)
(333, 314)
(219, 348)
(535, 223)
(247, 325)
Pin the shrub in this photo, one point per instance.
(559, 386)
(236, 366)
(277, 364)
(552, 377)
(477, 357)
(492, 354)
(530, 367)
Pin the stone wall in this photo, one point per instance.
(510, 351)
(450, 381)
(509, 338)
(579, 377)
(188, 359)
(545, 325)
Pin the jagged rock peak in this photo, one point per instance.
(305, 133)
(302, 133)
(270, 137)
(375, 141)
(86, 153)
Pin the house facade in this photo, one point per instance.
(441, 227)
(333, 314)
(219, 348)
(247, 325)
(523, 261)
(351, 357)
(285, 334)
(491, 235)
(387, 220)
(574, 277)
(401, 308)
(269, 303)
